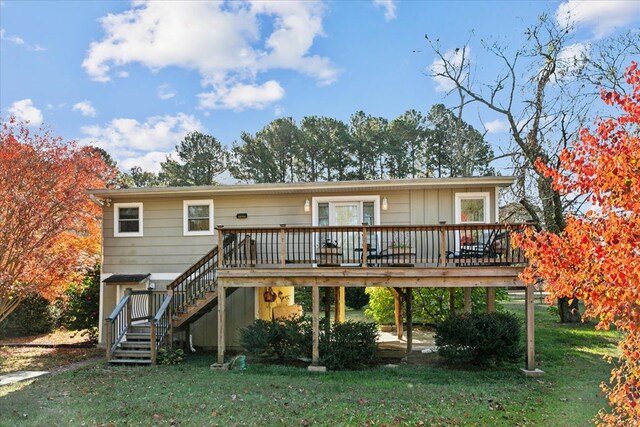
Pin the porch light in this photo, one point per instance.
(385, 204)
(307, 205)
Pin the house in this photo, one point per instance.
(212, 259)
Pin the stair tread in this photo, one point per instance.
(140, 361)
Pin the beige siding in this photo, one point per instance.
(165, 252)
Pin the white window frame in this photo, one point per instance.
(116, 219)
(336, 199)
(185, 217)
(484, 196)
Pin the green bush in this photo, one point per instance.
(356, 298)
(479, 338)
(290, 338)
(430, 305)
(350, 345)
(80, 305)
(170, 356)
(33, 316)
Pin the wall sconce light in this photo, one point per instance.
(385, 204)
(307, 205)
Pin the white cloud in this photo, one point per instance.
(602, 17)
(222, 41)
(454, 58)
(129, 140)
(496, 126)
(19, 41)
(166, 92)
(25, 111)
(243, 96)
(148, 162)
(85, 108)
(389, 7)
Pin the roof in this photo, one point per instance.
(310, 187)
(126, 278)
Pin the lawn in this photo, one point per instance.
(192, 394)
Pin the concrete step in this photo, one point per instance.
(140, 329)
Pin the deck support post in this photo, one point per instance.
(397, 310)
(452, 300)
(529, 307)
(530, 369)
(409, 298)
(339, 302)
(491, 300)
(315, 324)
(467, 300)
(221, 323)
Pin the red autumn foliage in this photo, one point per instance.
(597, 257)
(50, 230)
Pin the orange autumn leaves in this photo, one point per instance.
(50, 231)
(597, 257)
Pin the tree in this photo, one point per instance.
(201, 158)
(50, 233)
(543, 95)
(596, 257)
(269, 155)
(142, 178)
(368, 135)
(454, 147)
(406, 139)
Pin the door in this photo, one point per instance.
(346, 214)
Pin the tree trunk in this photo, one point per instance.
(569, 313)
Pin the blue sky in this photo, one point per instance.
(135, 77)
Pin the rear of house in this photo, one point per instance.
(151, 236)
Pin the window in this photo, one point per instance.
(127, 219)
(472, 208)
(198, 217)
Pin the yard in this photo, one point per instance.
(192, 394)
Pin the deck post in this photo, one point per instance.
(315, 324)
(327, 307)
(491, 300)
(365, 246)
(127, 292)
(409, 298)
(529, 308)
(283, 247)
(443, 245)
(397, 310)
(467, 300)
(339, 301)
(170, 317)
(220, 246)
(107, 337)
(221, 323)
(152, 342)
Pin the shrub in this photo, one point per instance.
(481, 338)
(80, 304)
(430, 305)
(350, 345)
(33, 316)
(290, 338)
(170, 356)
(356, 298)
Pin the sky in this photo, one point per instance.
(135, 77)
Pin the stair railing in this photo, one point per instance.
(199, 278)
(117, 324)
(161, 328)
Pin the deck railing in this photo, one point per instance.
(160, 328)
(373, 246)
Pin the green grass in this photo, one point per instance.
(265, 395)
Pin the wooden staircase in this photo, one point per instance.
(136, 346)
(145, 320)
